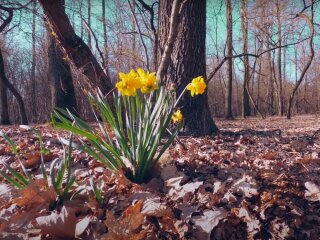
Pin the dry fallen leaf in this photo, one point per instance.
(36, 195)
(312, 192)
(126, 227)
(62, 224)
(209, 219)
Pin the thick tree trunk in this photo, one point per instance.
(5, 82)
(77, 51)
(59, 72)
(188, 61)
(229, 114)
(246, 110)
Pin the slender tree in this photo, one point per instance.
(33, 62)
(89, 24)
(279, 60)
(229, 114)
(4, 114)
(5, 82)
(246, 110)
(105, 35)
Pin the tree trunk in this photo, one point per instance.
(4, 114)
(279, 78)
(168, 32)
(33, 64)
(5, 82)
(229, 114)
(271, 82)
(246, 110)
(133, 60)
(59, 72)
(105, 36)
(89, 24)
(188, 61)
(77, 51)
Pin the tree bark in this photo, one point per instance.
(246, 110)
(89, 24)
(279, 57)
(5, 82)
(187, 61)
(4, 114)
(168, 31)
(229, 114)
(271, 82)
(61, 84)
(75, 48)
(105, 36)
(33, 63)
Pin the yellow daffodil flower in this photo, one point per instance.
(148, 80)
(177, 116)
(197, 86)
(129, 83)
(123, 87)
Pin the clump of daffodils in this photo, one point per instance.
(147, 82)
(135, 80)
(139, 119)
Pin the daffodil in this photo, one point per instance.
(148, 80)
(129, 83)
(177, 116)
(197, 86)
(123, 87)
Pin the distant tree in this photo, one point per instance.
(246, 110)
(4, 114)
(5, 82)
(279, 82)
(33, 98)
(89, 24)
(229, 114)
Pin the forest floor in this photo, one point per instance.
(257, 179)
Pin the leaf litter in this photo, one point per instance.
(251, 181)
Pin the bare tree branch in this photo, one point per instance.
(140, 34)
(216, 69)
(306, 67)
(8, 19)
